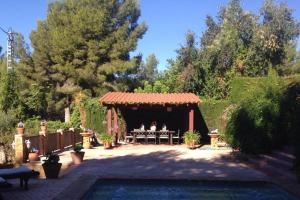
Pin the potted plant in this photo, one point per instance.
(77, 155)
(191, 139)
(51, 165)
(33, 154)
(21, 128)
(106, 140)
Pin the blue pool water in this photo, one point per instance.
(180, 189)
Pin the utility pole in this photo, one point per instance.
(9, 50)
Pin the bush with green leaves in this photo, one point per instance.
(290, 117)
(104, 137)
(95, 115)
(254, 126)
(191, 136)
(75, 117)
(77, 148)
(33, 126)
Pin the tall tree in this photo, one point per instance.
(148, 71)
(84, 45)
(278, 32)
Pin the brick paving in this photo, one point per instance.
(136, 161)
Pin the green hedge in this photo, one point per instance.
(241, 87)
(264, 116)
(95, 115)
(32, 126)
(212, 111)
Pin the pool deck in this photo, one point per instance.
(136, 162)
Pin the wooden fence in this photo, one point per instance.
(58, 141)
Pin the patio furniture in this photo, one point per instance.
(164, 135)
(151, 135)
(177, 137)
(4, 183)
(23, 173)
(128, 137)
(140, 135)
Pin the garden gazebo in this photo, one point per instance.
(179, 111)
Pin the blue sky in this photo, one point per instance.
(167, 20)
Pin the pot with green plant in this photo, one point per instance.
(21, 128)
(51, 165)
(191, 139)
(106, 140)
(77, 155)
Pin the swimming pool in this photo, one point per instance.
(185, 189)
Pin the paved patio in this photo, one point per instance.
(136, 161)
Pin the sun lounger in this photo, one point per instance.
(4, 183)
(23, 173)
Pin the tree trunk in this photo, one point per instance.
(67, 115)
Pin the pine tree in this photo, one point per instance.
(148, 71)
(84, 45)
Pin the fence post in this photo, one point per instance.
(61, 139)
(43, 144)
(74, 136)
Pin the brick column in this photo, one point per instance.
(191, 119)
(20, 149)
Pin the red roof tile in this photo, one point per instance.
(112, 98)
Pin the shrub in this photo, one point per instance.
(190, 136)
(212, 111)
(33, 126)
(254, 125)
(290, 112)
(95, 115)
(104, 137)
(8, 121)
(77, 148)
(53, 126)
(75, 117)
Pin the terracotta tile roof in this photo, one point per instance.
(112, 98)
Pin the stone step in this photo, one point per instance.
(276, 162)
(284, 155)
(272, 170)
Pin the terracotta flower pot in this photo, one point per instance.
(33, 156)
(77, 157)
(20, 131)
(192, 144)
(107, 145)
(51, 170)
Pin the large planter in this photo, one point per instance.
(20, 131)
(107, 145)
(214, 138)
(191, 144)
(33, 156)
(51, 170)
(86, 140)
(77, 157)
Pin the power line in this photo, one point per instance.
(9, 50)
